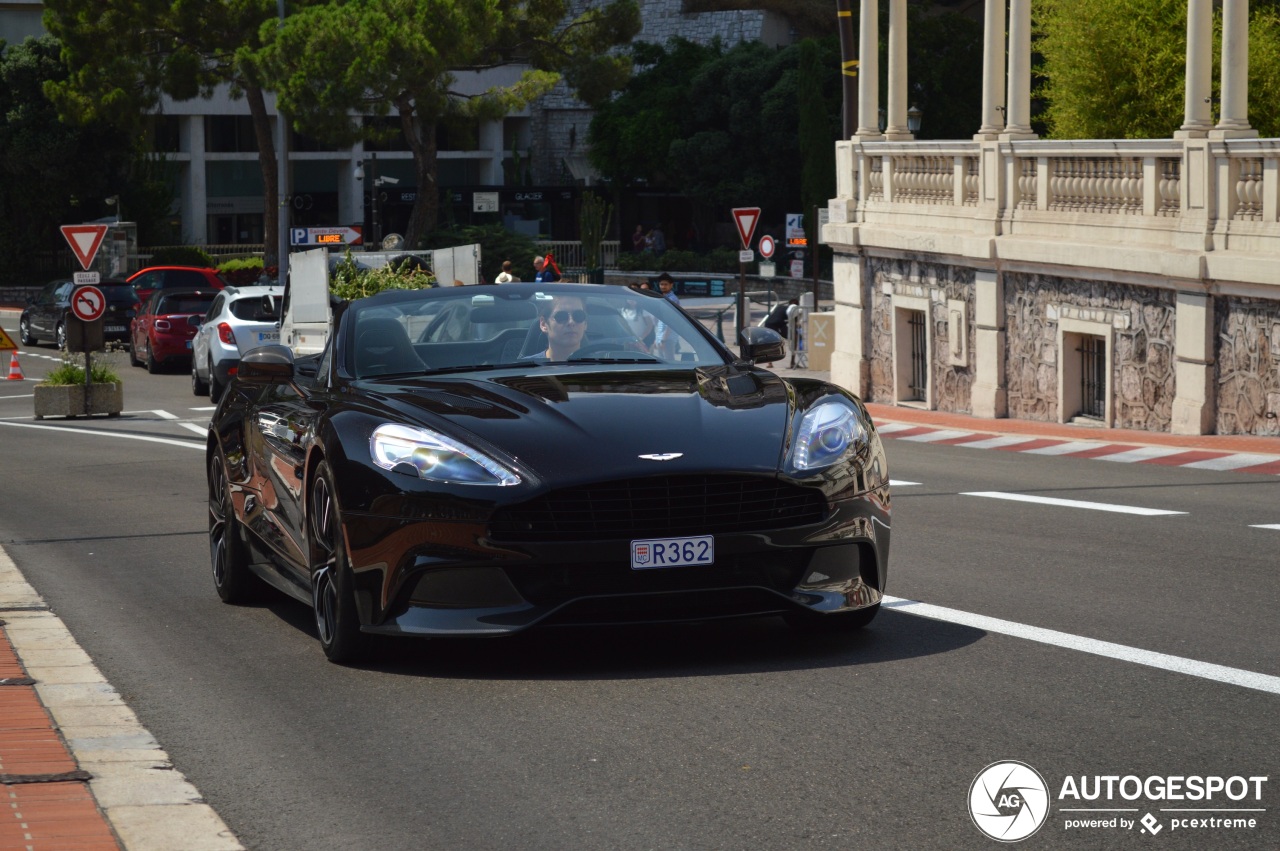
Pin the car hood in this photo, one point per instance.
(573, 425)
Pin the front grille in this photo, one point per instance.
(660, 507)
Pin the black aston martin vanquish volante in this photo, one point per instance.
(481, 460)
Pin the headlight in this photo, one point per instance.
(432, 456)
(828, 433)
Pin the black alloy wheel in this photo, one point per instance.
(333, 599)
(24, 332)
(234, 581)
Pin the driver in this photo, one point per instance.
(565, 324)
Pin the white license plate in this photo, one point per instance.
(268, 336)
(114, 329)
(672, 552)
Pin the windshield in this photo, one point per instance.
(519, 325)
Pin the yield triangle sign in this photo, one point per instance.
(84, 241)
(745, 218)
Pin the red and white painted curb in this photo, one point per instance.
(1123, 453)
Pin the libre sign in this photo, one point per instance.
(84, 241)
(746, 218)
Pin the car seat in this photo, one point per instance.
(383, 348)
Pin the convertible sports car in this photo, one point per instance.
(481, 460)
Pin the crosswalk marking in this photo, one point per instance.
(937, 435)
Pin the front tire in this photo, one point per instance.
(333, 599)
(153, 365)
(234, 581)
(24, 332)
(60, 336)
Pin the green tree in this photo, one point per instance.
(124, 54)
(335, 60)
(52, 173)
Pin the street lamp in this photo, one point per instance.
(913, 119)
(372, 238)
(114, 199)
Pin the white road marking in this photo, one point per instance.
(890, 428)
(1073, 503)
(1232, 462)
(203, 432)
(1163, 661)
(23, 396)
(1275, 526)
(165, 415)
(1066, 448)
(206, 408)
(1143, 453)
(898, 483)
(997, 442)
(188, 444)
(945, 434)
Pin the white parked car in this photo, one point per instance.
(239, 320)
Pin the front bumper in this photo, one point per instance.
(434, 578)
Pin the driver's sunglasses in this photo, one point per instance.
(563, 316)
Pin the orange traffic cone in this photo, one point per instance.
(15, 368)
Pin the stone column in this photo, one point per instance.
(1194, 411)
(1198, 117)
(992, 72)
(1018, 125)
(1233, 122)
(896, 127)
(849, 366)
(989, 397)
(869, 70)
(195, 200)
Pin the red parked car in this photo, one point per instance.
(152, 278)
(162, 331)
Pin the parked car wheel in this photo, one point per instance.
(199, 387)
(61, 336)
(133, 355)
(228, 555)
(24, 333)
(215, 386)
(153, 365)
(333, 598)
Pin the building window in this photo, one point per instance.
(912, 350)
(230, 134)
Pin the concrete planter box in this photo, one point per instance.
(68, 400)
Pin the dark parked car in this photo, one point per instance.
(166, 324)
(541, 467)
(152, 278)
(45, 316)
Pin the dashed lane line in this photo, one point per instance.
(1073, 503)
(1275, 526)
(188, 444)
(1110, 650)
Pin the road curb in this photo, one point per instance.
(140, 797)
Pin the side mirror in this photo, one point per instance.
(267, 365)
(762, 345)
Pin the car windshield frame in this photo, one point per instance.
(507, 332)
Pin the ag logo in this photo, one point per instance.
(1008, 801)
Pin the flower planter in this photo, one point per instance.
(68, 400)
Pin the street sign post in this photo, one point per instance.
(745, 219)
(326, 236)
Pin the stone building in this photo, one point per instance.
(1124, 283)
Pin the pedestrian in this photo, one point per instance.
(638, 239)
(505, 276)
(658, 240)
(640, 322)
(664, 338)
(545, 270)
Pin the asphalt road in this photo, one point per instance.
(729, 736)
